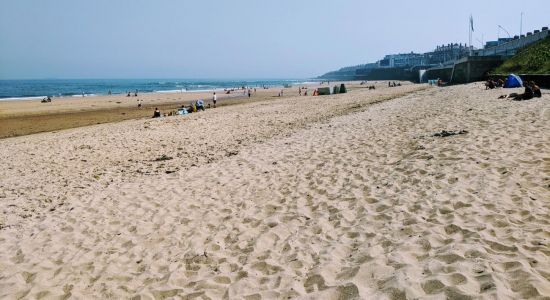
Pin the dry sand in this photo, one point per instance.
(335, 197)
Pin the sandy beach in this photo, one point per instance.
(394, 193)
(31, 116)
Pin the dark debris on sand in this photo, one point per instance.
(164, 158)
(445, 133)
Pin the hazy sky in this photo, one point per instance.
(236, 39)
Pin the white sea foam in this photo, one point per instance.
(85, 95)
(168, 91)
(188, 91)
(23, 98)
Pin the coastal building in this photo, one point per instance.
(498, 42)
(447, 53)
(405, 66)
(509, 47)
(439, 56)
(402, 60)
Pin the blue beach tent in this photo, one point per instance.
(513, 81)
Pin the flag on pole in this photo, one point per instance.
(472, 23)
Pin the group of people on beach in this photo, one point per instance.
(393, 84)
(491, 83)
(196, 106)
(129, 94)
(531, 90)
(246, 90)
(437, 82)
(372, 87)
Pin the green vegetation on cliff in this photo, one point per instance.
(533, 59)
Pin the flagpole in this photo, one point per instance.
(521, 24)
(470, 34)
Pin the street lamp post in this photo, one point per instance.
(509, 36)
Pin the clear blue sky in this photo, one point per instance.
(235, 39)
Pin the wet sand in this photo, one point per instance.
(31, 116)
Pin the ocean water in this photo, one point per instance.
(29, 89)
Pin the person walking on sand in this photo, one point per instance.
(249, 93)
(214, 99)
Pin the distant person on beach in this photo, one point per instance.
(135, 94)
(527, 94)
(200, 105)
(156, 114)
(109, 93)
(249, 93)
(128, 94)
(182, 111)
(214, 99)
(536, 89)
(299, 91)
(139, 103)
(490, 84)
